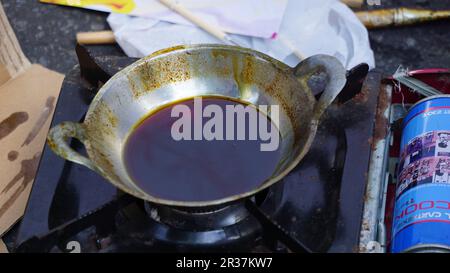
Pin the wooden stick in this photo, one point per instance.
(353, 3)
(290, 46)
(96, 37)
(213, 30)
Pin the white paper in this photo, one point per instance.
(310, 27)
(258, 18)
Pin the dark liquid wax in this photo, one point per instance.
(195, 170)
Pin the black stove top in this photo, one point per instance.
(317, 208)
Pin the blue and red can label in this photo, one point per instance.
(422, 206)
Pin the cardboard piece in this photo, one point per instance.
(12, 58)
(28, 95)
(3, 248)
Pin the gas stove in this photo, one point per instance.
(321, 206)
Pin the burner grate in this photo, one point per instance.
(317, 207)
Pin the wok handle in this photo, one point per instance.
(57, 140)
(335, 79)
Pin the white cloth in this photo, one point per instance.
(311, 27)
(246, 17)
(258, 18)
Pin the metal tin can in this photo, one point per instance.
(422, 198)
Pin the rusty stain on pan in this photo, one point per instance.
(180, 72)
(150, 76)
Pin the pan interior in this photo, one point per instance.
(214, 166)
(183, 73)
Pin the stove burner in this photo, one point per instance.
(317, 207)
(198, 219)
(218, 228)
